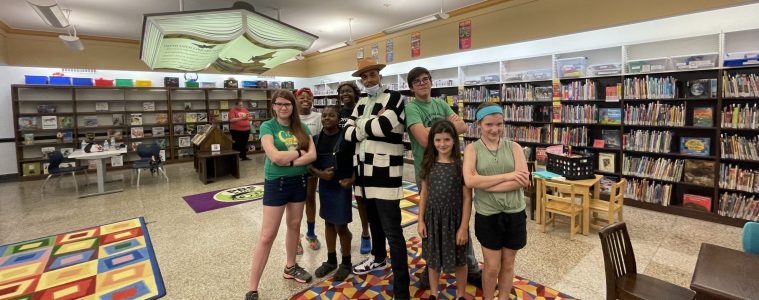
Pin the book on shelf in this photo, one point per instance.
(46, 108)
(736, 178)
(611, 138)
(225, 127)
(31, 169)
(136, 119)
(137, 132)
(224, 116)
(700, 146)
(68, 136)
(740, 85)
(184, 141)
(606, 162)
(613, 93)
(740, 147)
(598, 143)
(697, 202)
(653, 168)
(117, 161)
(540, 155)
(28, 138)
(187, 105)
(703, 116)
(91, 121)
(45, 166)
(190, 129)
(101, 106)
(223, 104)
(158, 131)
(214, 116)
(202, 117)
(117, 120)
(27, 123)
(699, 172)
(556, 116)
(177, 118)
(49, 122)
(191, 117)
(161, 118)
(148, 106)
(737, 116)
(738, 205)
(161, 143)
(179, 129)
(46, 151)
(610, 116)
(66, 151)
(65, 122)
(649, 191)
(658, 114)
(606, 182)
(701, 88)
(648, 141)
(649, 87)
(162, 154)
(184, 152)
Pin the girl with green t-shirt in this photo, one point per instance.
(497, 171)
(289, 150)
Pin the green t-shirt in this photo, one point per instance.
(425, 113)
(283, 141)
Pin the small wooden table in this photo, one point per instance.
(212, 165)
(584, 185)
(723, 273)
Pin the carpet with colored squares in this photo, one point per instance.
(409, 204)
(378, 284)
(109, 262)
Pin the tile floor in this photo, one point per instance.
(207, 255)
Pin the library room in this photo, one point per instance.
(228, 149)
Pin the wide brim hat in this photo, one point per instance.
(366, 64)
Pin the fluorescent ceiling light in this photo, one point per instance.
(333, 47)
(50, 12)
(73, 42)
(233, 40)
(416, 22)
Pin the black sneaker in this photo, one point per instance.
(252, 295)
(324, 269)
(343, 271)
(297, 273)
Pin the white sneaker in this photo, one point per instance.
(369, 265)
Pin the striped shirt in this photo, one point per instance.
(379, 145)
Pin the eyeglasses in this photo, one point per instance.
(420, 81)
(283, 104)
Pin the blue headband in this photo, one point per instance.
(488, 110)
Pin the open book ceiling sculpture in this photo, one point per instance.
(231, 40)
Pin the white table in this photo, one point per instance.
(100, 158)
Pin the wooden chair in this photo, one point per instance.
(622, 278)
(562, 202)
(605, 211)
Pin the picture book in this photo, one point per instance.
(162, 154)
(137, 132)
(117, 161)
(177, 118)
(136, 119)
(178, 129)
(101, 106)
(697, 202)
(224, 116)
(611, 138)
(28, 138)
(161, 143)
(703, 117)
(184, 141)
(606, 162)
(700, 146)
(202, 117)
(158, 131)
(699, 172)
(189, 129)
(162, 118)
(191, 117)
(47, 150)
(118, 120)
(598, 143)
(148, 106)
(45, 166)
(46, 109)
(49, 122)
(610, 116)
(31, 169)
(65, 122)
(68, 136)
(27, 123)
(91, 121)
(223, 104)
(540, 155)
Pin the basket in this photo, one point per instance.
(572, 168)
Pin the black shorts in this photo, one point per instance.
(502, 230)
(290, 189)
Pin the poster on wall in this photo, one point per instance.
(389, 51)
(416, 44)
(465, 34)
(360, 53)
(375, 53)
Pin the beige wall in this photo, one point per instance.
(506, 22)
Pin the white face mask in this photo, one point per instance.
(373, 90)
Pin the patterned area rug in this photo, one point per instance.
(409, 205)
(223, 198)
(114, 261)
(377, 285)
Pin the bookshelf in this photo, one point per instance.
(132, 115)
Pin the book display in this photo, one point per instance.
(59, 117)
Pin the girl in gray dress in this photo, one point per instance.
(445, 206)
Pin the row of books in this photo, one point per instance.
(614, 92)
(325, 101)
(741, 206)
(47, 122)
(655, 114)
(654, 168)
(526, 92)
(650, 87)
(580, 90)
(532, 134)
(740, 85)
(739, 147)
(648, 191)
(479, 94)
(575, 136)
(139, 132)
(737, 178)
(648, 141)
(580, 114)
(737, 116)
(526, 113)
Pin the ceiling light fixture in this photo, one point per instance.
(416, 22)
(231, 40)
(50, 12)
(342, 44)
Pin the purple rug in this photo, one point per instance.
(224, 198)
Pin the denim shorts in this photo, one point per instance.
(283, 190)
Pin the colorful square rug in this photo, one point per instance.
(409, 204)
(114, 261)
(223, 198)
(377, 284)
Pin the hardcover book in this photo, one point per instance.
(202, 117)
(611, 138)
(540, 155)
(177, 118)
(223, 104)
(65, 122)
(598, 143)
(28, 138)
(68, 136)
(117, 161)
(148, 106)
(161, 143)
(49, 122)
(697, 202)
(101, 106)
(191, 117)
(606, 162)
(137, 132)
(700, 146)
(91, 121)
(224, 116)
(610, 116)
(161, 118)
(178, 129)
(184, 141)
(136, 119)
(703, 117)
(699, 172)
(158, 131)
(27, 123)
(47, 150)
(31, 169)
(118, 120)
(701, 88)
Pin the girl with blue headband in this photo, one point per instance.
(497, 171)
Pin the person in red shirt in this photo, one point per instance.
(239, 127)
